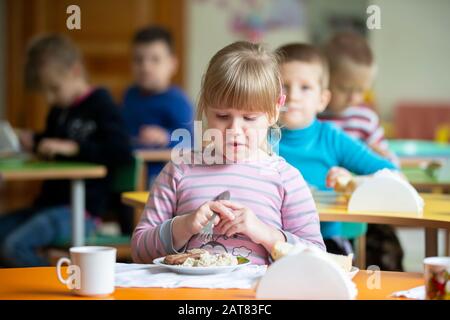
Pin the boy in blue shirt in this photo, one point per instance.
(152, 107)
(321, 151)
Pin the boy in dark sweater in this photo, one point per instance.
(83, 125)
(152, 107)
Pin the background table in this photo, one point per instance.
(46, 170)
(423, 179)
(405, 148)
(436, 215)
(41, 283)
(415, 155)
(331, 208)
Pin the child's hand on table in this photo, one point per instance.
(247, 223)
(154, 135)
(339, 178)
(51, 147)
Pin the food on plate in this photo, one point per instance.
(180, 258)
(202, 258)
(281, 249)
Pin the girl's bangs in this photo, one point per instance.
(243, 94)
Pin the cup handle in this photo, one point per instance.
(58, 269)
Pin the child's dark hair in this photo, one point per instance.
(307, 53)
(152, 34)
(53, 48)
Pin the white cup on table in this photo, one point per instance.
(90, 270)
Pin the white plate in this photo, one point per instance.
(352, 273)
(198, 270)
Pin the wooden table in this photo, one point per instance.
(423, 179)
(415, 155)
(436, 215)
(331, 208)
(413, 148)
(46, 170)
(41, 283)
(154, 155)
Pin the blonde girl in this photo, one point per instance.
(239, 101)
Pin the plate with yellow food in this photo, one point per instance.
(200, 262)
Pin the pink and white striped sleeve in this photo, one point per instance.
(299, 213)
(152, 237)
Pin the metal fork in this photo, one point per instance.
(207, 231)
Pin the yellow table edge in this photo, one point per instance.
(139, 199)
(41, 284)
(97, 171)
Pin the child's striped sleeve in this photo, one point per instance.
(299, 214)
(152, 237)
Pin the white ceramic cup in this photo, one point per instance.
(437, 279)
(90, 270)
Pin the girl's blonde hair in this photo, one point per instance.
(242, 76)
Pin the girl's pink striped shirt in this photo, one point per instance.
(274, 190)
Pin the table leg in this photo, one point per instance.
(142, 177)
(431, 242)
(137, 214)
(360, 248)
(78, 212)
(447, 242)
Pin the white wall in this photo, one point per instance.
(2, 57)
(321, 11)
(207, 32)
(412, 50)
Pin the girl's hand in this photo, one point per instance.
(198, 219)
(335, 174)
(247, 223)
(184, 227)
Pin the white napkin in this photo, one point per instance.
(414, 293)
(149, 275)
